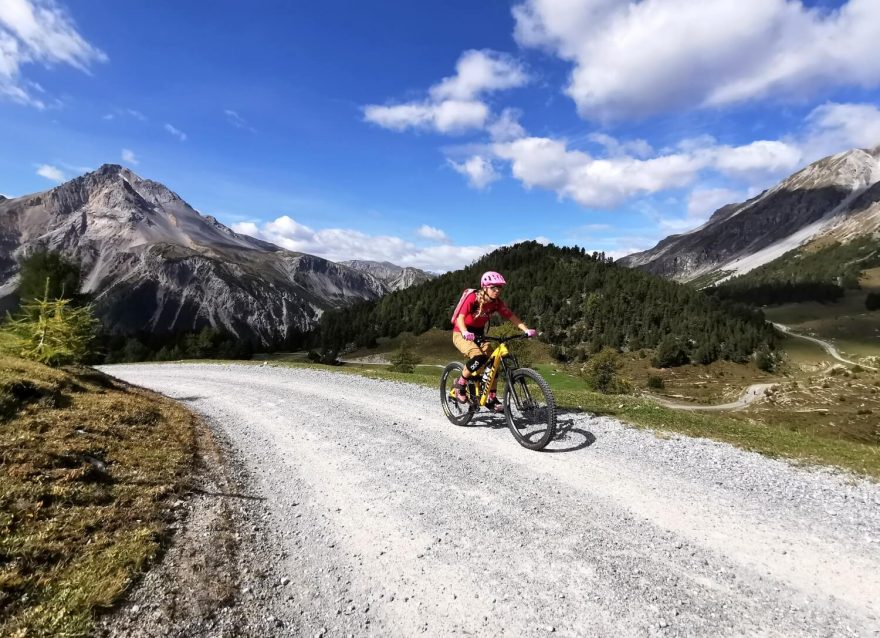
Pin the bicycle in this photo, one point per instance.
(529, 406)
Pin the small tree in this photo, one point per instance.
(50, 331)
(602, 373)
(670, 353)
(47, 275)
(406, 358)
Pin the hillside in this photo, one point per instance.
(579, 302)
(836, 199)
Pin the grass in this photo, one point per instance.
(85, 465)
(846, 323)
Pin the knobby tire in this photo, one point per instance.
(531, 419)
(457, 413)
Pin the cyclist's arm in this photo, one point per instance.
(507, 313)
(459, 321)
(518, 323)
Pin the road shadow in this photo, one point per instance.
(187, 399)
(568, 437)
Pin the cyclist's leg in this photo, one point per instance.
(475, 361)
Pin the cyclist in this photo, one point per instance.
(470, 322)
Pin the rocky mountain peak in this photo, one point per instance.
(836, 196)
(153, 263)
(853, 169)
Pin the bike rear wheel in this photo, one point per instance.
(457, 413)
(530, 409)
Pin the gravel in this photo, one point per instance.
(382, 518)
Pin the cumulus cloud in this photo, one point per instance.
(479, 171)
(837, 127)
(176, 132)
(429, 232)
(637, 59)
(449, 116)
(506, 127)
(604, 182)
(51, 173)
(453, 105)
(38, 32)
(129, 157)
(339, 244)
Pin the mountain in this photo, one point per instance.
(579, 302)
(153, 263)
(834, 199)
(394, 277)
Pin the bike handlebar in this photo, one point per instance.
(480, 338)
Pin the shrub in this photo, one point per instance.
(766, 359)
(602, 373)
(670, 353)
(406, 358)
(872, 301)
(655, 382)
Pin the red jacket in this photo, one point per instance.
(476, 322)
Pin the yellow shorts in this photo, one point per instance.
(469, 348)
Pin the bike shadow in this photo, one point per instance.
(568, 437)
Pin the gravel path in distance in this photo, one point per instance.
(385, 519)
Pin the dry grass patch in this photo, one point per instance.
(85, 465)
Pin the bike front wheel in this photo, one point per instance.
(530, 409)
(457, 413)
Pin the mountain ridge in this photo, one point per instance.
(835, 196)
(153, 262)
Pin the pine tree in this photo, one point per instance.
(50, 331)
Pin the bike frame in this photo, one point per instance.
(498, 360)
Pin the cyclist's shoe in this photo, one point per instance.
(494, 405)
(461, 393)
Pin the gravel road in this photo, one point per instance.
(751, 394)
(828, 347)
(382, 518)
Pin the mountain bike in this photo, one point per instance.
(529, 406)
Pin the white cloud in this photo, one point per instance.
(479, 171)
(636, 59)
(478, 72)
(51, 173)
(176, 132)
(453, 104)
(339, 244)
(702, 202)
(837, 127)
(506, 126)
(129, 157)
(616, 148)
(136, 114)
(38, 31)
(450, 116)
(238, 121)
(429, 232)
(603, 182)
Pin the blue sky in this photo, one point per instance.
(428, 134)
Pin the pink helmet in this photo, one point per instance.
(492, 278)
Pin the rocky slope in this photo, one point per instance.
(837, 198)
(393, 276)
(154, 263)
